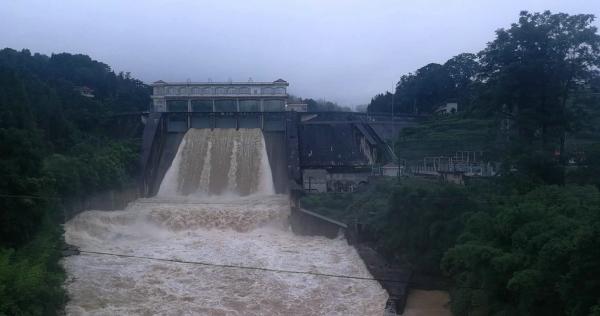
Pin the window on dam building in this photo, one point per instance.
(273, 105)
(202, 105)
(227, 105)
(177, 106)
(249, 105)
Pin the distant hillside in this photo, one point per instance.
(66, 93)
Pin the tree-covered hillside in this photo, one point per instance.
(57, 140)
(430, 86)
(526, 241)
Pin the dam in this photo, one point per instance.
(214, 239)
(309, 151)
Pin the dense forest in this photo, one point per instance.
(58, 139)
(526, 241)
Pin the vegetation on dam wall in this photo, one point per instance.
(57, 141)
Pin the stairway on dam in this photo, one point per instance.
(215, 240)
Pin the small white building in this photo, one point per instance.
(314, 180)
(390, 170)
(297, 107)
(85, 91)
(448, 108)
(322, 180)
(219, 96)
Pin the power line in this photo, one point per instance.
(167, 201)
(230, 266)
(29, 197)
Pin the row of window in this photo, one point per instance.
(225, 105)
(217, 91)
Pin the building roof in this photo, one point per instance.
(222, 83)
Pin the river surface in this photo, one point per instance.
(427, 303)
(215, 241)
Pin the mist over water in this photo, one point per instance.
(215, 205)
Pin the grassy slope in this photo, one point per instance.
(444, 136)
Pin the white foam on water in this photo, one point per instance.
(266, 184)
(221, 229)
(232, 174)
(205, 174)
(169, 185)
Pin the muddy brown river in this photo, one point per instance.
(214, 241)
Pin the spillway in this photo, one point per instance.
(214, 241)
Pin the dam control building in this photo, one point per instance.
(219, 96)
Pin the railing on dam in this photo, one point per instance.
(272, 121)
(178, 122)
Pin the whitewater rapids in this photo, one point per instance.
(205, 218)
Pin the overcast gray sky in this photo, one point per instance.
(345, 50)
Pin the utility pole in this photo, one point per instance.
(393, 124)
(393, 94)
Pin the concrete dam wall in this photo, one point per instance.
(169, 143)
(294, 142)
(219, 162)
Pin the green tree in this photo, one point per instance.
(423, 91)
(529, 255)
(588, 170)
(431, 86)
(533, 68)
(424, 221)
(381, 103)
(463, 70)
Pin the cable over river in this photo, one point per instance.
(214, 241)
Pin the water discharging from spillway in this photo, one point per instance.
(181, 252)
